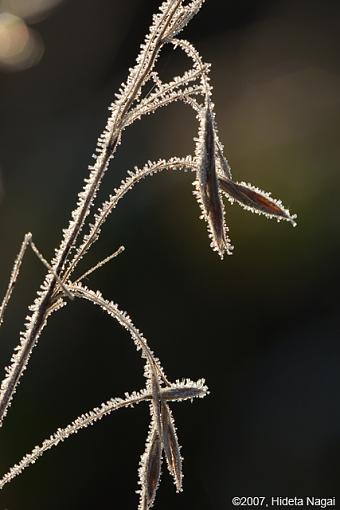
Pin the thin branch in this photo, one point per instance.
(100, 264)
(61, 434)
(14, 276)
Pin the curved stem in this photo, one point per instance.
(61, 434)
(112, 310)
(106, 208)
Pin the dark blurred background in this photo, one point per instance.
(262, 326)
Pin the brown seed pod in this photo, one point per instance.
(254, 199)
(171, 446)
(150, 470)
(207, 185)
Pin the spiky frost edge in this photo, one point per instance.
(185, 389)
(286, 215)
(14, 275)
(61, 434)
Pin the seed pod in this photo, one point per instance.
(255, 200)
(150, 470)
(207, 186)
(184, 392)
(171, 446)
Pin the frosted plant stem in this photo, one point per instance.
(100, 264)
(14, 276)
(107, 146)
(63, 433)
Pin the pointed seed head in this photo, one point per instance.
(171, 446)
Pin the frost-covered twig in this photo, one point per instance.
(100, 264)
(61, 434)
(14, 275)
